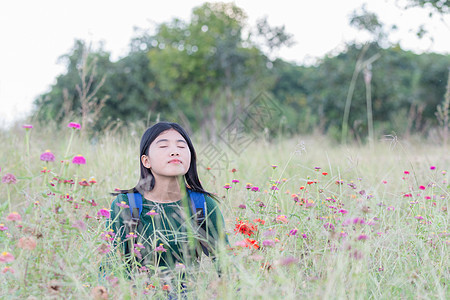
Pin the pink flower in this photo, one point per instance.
(227, 186)
(74, 125)
(274, 187)
(343, 234)
(14, 217)
(419, 217)
(47, 156)
(343, 211)
(421, 187)
(131, 235)
(406, 172)
(432, 168)
(248, 186)
(391, 208)
(27, 126)
(152, 213)
(242, 206)
(8, 269)
(160, 248)
(3, 227)
(362, 237)
(274, 166)
(9, 178)
(293, 231)
(79, 160)
(328, 226)
(255, 189)
(123, 204)
(234, 181)
(6, 257)
(281, 219)
(104, 213)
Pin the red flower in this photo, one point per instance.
(245, 228)
(262, 222)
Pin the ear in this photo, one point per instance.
(145, 161)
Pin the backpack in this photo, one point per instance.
(198, 203)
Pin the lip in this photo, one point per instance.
(175, 161)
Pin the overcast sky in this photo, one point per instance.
(34, 34)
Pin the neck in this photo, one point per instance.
(166, 190)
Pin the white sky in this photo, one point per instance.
(34, 34)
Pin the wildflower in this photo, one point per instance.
(83, 182)
(329, 226)
(92, 181)
(324, 173)
(108, 235)
(208, 168)
(74, 125)
(27, 126)
(104, 213)
(3, 227)
(293, 232)
(242, 206)
(384, 181)
(391, 208)
(343, 211)
(343, 234)
(317, 169)
(47, 156)
(8, 269)
(268, 243)
(227, 186)
(180, 266)
(255, 189)
(131, 235)
(406, 172)
(422, 187)
(245, 228)
(250, 243)
(79, 160)
(166, 287)
(419, 217)
(27, 243)
(160, 248)
(261, 204)
(444, 172)
(432, 168)
(152, 213)
(274, 187)
(248, 186)
(122, 204)
(304, 236)
(6, 257)
(234, 181)
(139, 246)
(281, 219)
(14, 216)
(234, 170)
(274, 166)
(9, 178)
(407, 195)
(262, 222)
(362, 237)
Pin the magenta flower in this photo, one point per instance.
(27, 126)
(343, 211)
(139, 245)
(79, 160)
(293, 231)
(14, 217)
(268, 243)
(227, 186)
(419, 217)
(104, 213)
(422, 187)
(432, 168)
(122, 204)
(274, 187)
(160, 248)
(391, 208)
(255, 189)
(343, 234)
(248, 186)
(74, 125)
(304, 236)
(152, 213)
(234, 181)
(6, 257)
(47, 156)
(108, 235)
(9, 178)
(362, 237)
(131, 235)
(3, 227)
(274, 166)
(242, 206)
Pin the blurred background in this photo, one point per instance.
(351, 70)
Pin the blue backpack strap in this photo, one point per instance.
(135, 201)
(198, 205)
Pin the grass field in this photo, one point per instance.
(329, 221)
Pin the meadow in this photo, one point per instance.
(323, 221)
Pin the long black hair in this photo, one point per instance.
(147, 180)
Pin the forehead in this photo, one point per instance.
(170, 134)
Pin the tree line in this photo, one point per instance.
(204, 72)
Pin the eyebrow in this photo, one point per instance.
(166, 140)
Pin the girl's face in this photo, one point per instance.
(168, 155)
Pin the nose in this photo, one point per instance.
(174, 153)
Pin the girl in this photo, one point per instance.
(167, 232)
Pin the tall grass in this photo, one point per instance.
(339, 221)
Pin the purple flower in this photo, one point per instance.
(79, 160)
(293, 231)
(255, 189)
(9, 178)
(362, 237)
(304, 236)
(432, 168)
(47, 156)
(274, 187)
(235, 181)
(74, 125)
(27, 126)
(242, 206)
(343, 211)
(268, 243)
